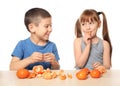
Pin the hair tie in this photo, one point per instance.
(99, 13)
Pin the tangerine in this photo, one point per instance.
(85, 70)
(22, 73)
(81, 75)
(95, 73)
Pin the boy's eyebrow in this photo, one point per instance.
(47, 24)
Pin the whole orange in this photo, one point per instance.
(85, 70)
(95, 73)
(81, 75)
(22, 73)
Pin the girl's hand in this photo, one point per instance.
(96, 64)
(49, 57)
(87, 38)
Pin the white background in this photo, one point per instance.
(64, 15)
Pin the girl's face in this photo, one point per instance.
(43, 30)
(89, 28)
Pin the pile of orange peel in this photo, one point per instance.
(40, 72)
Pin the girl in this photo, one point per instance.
(91, 51)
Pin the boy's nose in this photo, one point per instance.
(50, 29)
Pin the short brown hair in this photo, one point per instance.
(33, 16)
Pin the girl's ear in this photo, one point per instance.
(31, 27)
(99, 24)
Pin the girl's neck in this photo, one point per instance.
(95, 40)
(37, 41)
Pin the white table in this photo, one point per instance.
(110, 78)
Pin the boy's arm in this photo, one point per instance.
(55, 65)
(50, 57)
(16, 63)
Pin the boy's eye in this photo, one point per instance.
(47, 26)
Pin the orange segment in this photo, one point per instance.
(62, 76)
(32, 75)
(69, 75)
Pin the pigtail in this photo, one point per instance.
(78, 29)
(105, 32)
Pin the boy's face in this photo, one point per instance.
(43, 30)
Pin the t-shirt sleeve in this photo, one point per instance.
(55, 51)
(18, 51)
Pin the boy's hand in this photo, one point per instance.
(49, 57)
(36, 57)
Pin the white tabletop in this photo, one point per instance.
(110, 78)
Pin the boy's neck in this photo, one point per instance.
(38, 41)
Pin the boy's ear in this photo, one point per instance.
(31, 27)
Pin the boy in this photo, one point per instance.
(37, 49)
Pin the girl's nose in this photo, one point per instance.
(88, 27)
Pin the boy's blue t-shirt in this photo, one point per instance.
(26, 47)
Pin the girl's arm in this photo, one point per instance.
(80, 57)
(106, 55)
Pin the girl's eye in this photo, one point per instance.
(91, 23)
(83, 24)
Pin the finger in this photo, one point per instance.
(52, 54)
(94, 65)
(46, 54)
(47, 59)
(97, 64)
